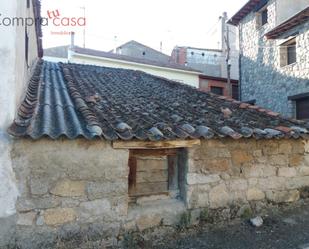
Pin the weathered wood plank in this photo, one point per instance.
(148, 188)
(132, 171)
(172, 173)
(155, 145)
(153, 153)
(151, 176)
(151, 164)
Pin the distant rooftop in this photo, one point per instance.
(109, 55)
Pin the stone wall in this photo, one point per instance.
(75, 192)
(68, 188)
(225, 173)
(262, 78)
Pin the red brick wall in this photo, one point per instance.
(206, 84)
(179, 55)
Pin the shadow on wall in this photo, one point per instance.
(270, 87)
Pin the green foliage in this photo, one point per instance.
(204, 215)
(185, 220)
(129, 241)
(247, 213)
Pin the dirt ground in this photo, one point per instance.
(284, 229)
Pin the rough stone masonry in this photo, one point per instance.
(262, 77)
(75, 193)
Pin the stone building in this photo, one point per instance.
(99, 152)
(20, 46)
(218, 85)
(274, 48)
(212, 62)
(128, 60)
(137, 50)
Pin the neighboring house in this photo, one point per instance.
(168, 70)
(56, 54)
(20, 46)
(274, 62)
(141, 51)
(212, 62)
(218, 86)
(100, 152)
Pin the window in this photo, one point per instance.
(235, 93)
(302, 108)
(291, 53)
(154, 172)
(262, 17)
(288, 52)
(216, 90)
(26, 45)
(28, 4)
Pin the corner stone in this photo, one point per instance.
(218, 196)
(194, 178)
(283, 196)
(287, 172)
(255, 194)
(26, 219)
(59, 216)
(68, 188)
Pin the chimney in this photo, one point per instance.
(72, 40)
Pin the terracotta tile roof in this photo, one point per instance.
(299, 18)
(72, 100)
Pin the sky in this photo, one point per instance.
(151, 22)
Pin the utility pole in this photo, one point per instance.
(228, 64)
(226, 35)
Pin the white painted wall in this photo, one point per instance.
(8, 190)
(288, 8)
(13, 74)
(186, 77)
(55, 59)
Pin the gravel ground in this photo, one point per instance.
(287, 229)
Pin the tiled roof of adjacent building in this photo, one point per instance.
(72, 100)
(142, 46)
(59, 52)
(93, 52)
(245, 10)
(298, 19)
